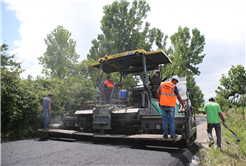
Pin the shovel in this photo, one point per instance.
(232, 133)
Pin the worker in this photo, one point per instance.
(167, 93)
(108, 82)
(47, 109)
(214, 114)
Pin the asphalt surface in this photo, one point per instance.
(200, 119)
(43, 151)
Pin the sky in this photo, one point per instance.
(25, 25)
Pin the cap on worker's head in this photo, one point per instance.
(108, 76)
(175, 78)
(211, 98)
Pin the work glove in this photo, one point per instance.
(224, 124)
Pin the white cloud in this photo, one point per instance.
(221, 22)
(38, 18)
(215, 19)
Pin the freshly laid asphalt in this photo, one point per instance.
(43, 151)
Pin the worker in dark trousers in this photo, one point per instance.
(47, 109)
(214, 114)
(167, 93)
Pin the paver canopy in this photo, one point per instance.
(132, 61)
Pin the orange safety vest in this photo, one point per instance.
(109, 84)
(167, 96)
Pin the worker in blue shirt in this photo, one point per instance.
(47, 109)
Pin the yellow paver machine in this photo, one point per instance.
(130, 109)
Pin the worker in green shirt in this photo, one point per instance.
(214, 114)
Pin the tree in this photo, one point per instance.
(186, 52)
(234, 103)
(60, 59)
(121, 27)
(89, 72)
(234, 85)
(224, 103)
(161, 40)
(196, 91)
(6, 59)
(18, 107)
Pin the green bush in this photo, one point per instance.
(200, 109)
(19, 111)
(70, 94)
(22, 101)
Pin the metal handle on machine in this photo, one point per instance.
(111, 94)
(181, 110)
(145, 80)
(144, 93)
(100, 84)
(97, 94)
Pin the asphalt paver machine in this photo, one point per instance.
(130, 109)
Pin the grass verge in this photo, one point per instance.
(234, 153)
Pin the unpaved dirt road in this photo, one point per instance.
(44, 152)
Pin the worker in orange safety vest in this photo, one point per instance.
(167, 94)
(109, 82)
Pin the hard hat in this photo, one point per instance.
(176, 78)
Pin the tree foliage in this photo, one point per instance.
(161, 40)
(18, 108)
(196, 91)
(70, 94)
(6, 59)
(233, 86)
(185, 53)
(60, 59)
(234, 83)
(122, 29)
(21, 99)
(224, 103)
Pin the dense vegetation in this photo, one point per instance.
(21, 109)
(73, 82)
